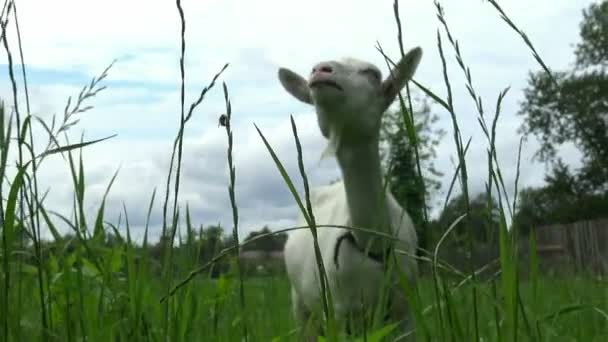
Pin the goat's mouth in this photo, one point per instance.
(329, 83)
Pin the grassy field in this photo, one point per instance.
(126, 307)
(86, 289)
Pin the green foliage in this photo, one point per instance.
(269, 243)
(593, 49)
(560, 201)
(94, 283)
(479, 218)
(574, 108)
(399, 161)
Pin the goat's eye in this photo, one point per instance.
(371, 73)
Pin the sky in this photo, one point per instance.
(67, 43)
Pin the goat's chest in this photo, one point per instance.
(355, 280)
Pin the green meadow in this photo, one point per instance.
(93, 282)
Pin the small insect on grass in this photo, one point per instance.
(223, 120)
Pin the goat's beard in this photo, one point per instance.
(335, 135)
(332, 125)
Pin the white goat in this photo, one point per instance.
(350, 97)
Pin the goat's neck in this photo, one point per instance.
(365, 194)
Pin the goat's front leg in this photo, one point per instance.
(308, 324)
(399, 311)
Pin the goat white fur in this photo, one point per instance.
(350, 97)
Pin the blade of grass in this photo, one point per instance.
(527, 41)
(71, 147)
(9, 227)
(463, 178)
(325, 291)
(235, 213)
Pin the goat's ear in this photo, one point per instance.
(403, 72)
(295, 84)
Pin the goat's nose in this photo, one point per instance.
(323, 68)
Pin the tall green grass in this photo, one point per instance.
(83, 287)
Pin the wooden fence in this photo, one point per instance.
(581, 245)
(564, 248)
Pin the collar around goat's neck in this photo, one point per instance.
(380, 257)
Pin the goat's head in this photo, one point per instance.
(350, 95)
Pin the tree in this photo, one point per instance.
(399, 161)
(574, 106)
(211, 242)
(561, 201)
(269, 243)
(479, 219)
(593, 50)
(571, 108)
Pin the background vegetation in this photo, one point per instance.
(193, 284)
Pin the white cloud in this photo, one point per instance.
(142, 105)
(262, 196)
